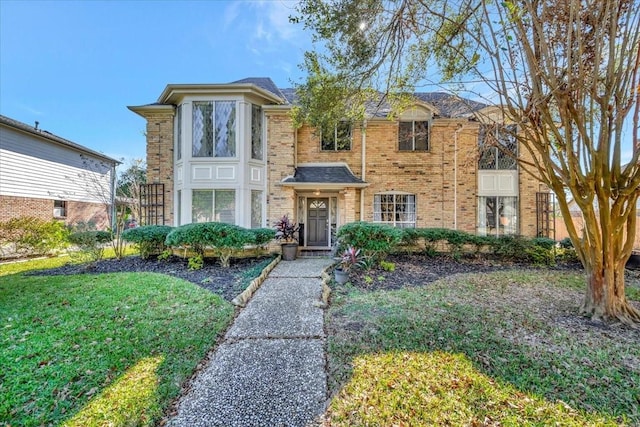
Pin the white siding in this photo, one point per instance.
(31, 167)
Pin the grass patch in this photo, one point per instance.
(505, 347)
(71, 347)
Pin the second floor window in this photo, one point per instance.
(498, 146)
(214, 129)
(413, 136)
(179, 132)
(256, 132)
(336, 138)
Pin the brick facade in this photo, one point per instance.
(281, 143)
(443, 179)
(160, 157)
(16, 207)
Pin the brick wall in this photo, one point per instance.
(15, 207)
(160, 157)
(280, 164)
(446, 193)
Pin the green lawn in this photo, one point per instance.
(80, 350)
(504, 348)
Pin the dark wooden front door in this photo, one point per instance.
(318, 222)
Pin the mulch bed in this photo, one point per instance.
(414, 270)
(411, 270)
(226, 282)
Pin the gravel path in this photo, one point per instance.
(270, 369)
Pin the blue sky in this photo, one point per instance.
(74, 66)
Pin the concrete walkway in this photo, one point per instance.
(270, 369)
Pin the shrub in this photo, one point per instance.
(90, 244)
(149, 239)
(285, 230)
(374, 240)
(544, 242)
(32, 236)
(262, 236)
(224, 239)
(388, 266)
(566, 243)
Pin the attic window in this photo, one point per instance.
(413, 136)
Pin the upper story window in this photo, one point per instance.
(413, 135)
(178, 137)
(214, 129)
(498, 145)
(398, 210)
(336, 138)
(256, 132)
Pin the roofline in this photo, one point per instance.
(324, 185)
(171, 90)
(25, 128)
(151, 108)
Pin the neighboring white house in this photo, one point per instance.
(45, 176)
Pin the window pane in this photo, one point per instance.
(179, 132)
(405, 136)
(202, 206)
(225, 206)
(256, 132)
(179, 207)
(328, 138)
(256, 209)
(507, 139)
(395, 209)
(225, 129)
(202, 129)
(422, 136)
(343, 136)
(508, 211)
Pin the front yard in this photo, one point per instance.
(492, 348)
(100, 349)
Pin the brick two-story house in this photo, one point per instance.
(230, 153)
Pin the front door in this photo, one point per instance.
(318, 222)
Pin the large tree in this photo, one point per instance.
(565, 71)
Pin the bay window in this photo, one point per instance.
(214, 129)
(213, 205)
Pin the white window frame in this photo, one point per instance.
(396, 221)
(413, 135)
(335, 137)
(215, 214)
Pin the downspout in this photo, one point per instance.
(363, 170)
(455, 176)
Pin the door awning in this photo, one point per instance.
(324, 177)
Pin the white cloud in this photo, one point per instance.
(30, 110)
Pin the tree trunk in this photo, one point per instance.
(605, 298)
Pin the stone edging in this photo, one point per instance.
(242, 299)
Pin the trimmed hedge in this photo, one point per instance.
(374, 240)
(262, 236)
(223, 238)
(377, 239)
(149, 238)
